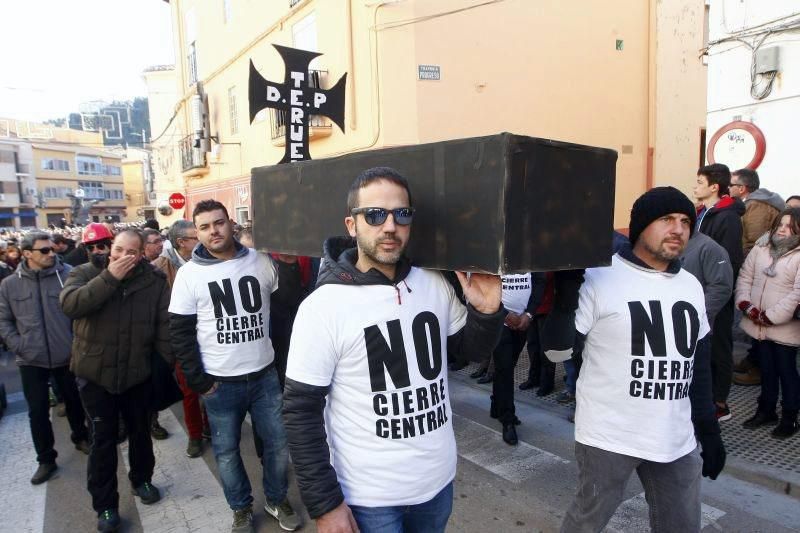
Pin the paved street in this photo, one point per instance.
(498, 488)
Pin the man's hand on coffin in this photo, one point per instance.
(483, 291)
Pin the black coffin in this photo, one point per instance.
(500, 204)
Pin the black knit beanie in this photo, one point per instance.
(656, 203)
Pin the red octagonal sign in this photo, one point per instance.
(177, 200)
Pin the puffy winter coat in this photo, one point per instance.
(777, 296)
(31, 321)
(118, 324)
(761, 208)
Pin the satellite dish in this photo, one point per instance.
(79, 193)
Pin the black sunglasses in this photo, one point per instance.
(45, 250)
(100, 246)
(375, 216)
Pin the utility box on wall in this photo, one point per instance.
(500, 204)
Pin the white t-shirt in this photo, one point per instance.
(231, 300)
(642, 329)
(383, 351)
(516, 292)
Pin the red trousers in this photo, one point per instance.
(193, 414)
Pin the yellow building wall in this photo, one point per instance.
(133, 184)
(545, 68)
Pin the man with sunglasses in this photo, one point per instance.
(366, 402)
(40, 334)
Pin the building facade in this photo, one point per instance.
(54, 169)
(625, 75)
(753, 59)
(137, 177)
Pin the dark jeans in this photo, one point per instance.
(722, 353)
(104, 410)
(428, 517)
(778, 370)
(226, 408)
(505, 355)
(542, 370)
(35, 382)
(672, 490)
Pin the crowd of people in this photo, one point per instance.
(342, 364)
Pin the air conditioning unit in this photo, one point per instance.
(2, 197)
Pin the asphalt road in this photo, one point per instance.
(498, 488)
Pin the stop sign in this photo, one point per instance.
(177, 200)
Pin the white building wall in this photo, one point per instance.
(729, 99)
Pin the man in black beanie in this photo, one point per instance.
(644, 393)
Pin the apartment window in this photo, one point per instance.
(92, 189)
(55, 164)
(112, 194)
(89, 166)
(6, 156)
(111, 170)
(227, 10)
(57, 192)
(234, 117)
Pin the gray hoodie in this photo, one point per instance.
(32, 323)
(768, 197)
(709, 263)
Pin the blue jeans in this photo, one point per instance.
(428, 517)
(778, 374)
(226, 408)
(572, 375)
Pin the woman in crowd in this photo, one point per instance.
(768, 293)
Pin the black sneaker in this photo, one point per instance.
(43, 473)
(243, 521)
(760, 419)
(528, 384)
(786, 428)
(158, 432)
(723, 413)
(510, 434)
(108, 520)
(486, 378)
(195, 448)
(83, 446)
(478, 373)
(285, 515)
(147, 493)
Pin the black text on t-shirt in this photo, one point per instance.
(238, 326)
(657, 377)
(406, 413)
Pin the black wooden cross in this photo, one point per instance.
(298, 98)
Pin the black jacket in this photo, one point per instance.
(303, 404)
(183, 328)
(723, 223)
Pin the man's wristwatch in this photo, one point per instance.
(530, 316)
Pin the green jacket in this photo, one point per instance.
(118, 325)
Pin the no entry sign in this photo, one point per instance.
(177, 200)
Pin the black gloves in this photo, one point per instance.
(713, 454)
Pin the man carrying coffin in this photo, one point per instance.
(366, 403)
(644, 393)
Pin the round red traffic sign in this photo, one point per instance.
(177, 200)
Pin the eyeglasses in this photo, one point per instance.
(45, 250)
(375, 216)
(99, 246)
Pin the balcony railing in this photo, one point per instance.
(191, 157)
(281, 118)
